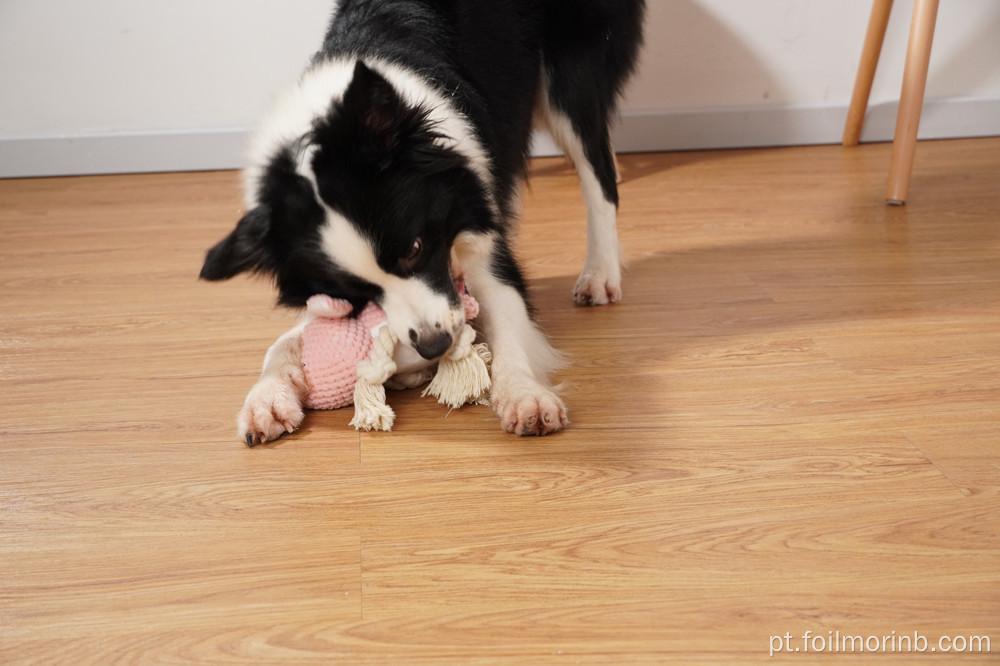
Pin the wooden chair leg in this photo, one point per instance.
(866, 70)
(911, 99)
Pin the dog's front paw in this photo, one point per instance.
(538, 411)
(597, 288)
(273, 408)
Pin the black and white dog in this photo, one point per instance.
(394, 163)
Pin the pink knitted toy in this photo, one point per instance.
(350, 360)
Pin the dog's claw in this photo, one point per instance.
(597, 289)
(272, 409)
(532, 415)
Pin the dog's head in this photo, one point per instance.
(362, 199)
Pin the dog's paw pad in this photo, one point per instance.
(597, 289)
(533, 414)
(272, 409)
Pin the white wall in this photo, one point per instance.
(728, 73)
(131, 85)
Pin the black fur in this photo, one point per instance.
(377, 161)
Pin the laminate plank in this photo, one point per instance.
(790, 424)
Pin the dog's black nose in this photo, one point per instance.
(432, 345)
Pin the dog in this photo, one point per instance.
(393, 165)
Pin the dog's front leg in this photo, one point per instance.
(523, 359)
(274, 405)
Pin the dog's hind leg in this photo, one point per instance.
(585, 64)
(600, 282)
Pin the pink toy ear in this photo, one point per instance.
(470, 304)
(322, 305)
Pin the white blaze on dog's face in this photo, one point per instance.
(419, 313)
(361, 180)
(395, 192)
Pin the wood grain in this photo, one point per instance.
(790, 424)
(867, 65)
(911, 99)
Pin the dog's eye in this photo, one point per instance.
(409, 260)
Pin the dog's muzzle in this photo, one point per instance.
(431, 345)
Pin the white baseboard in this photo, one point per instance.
(675, 129)
(759, 126)
(122, 153)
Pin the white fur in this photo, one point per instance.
(409, 303)
(291, 117)
(274, 405)
(294, 111)
(600, 282)
(523, 358)
(457, 130)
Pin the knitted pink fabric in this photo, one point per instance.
(331, 351)
(332, 347)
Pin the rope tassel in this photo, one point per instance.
(371, 412)
(349, 360)
(463, 374)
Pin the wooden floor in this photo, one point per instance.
(790, 425)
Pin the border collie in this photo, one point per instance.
(394, 164)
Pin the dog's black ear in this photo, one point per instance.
(378, 110)
(242, 250)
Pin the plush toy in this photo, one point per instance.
(351, 360)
